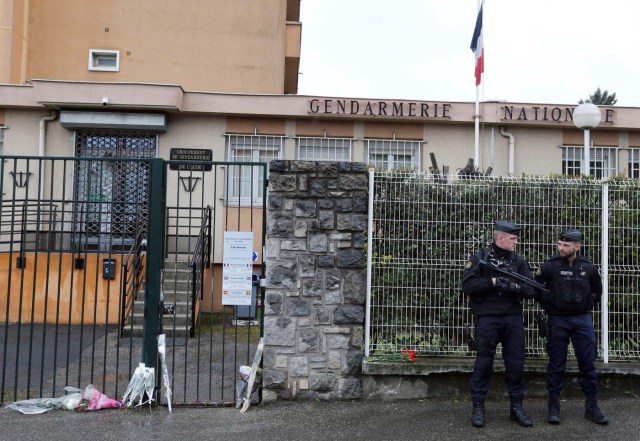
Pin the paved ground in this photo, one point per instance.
(45, 359)
(358, 420)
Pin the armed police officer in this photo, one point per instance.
(496, 303)
(575, 287)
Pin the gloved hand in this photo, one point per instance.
(506, 286)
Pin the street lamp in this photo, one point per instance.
(586, 116)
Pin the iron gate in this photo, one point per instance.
(75, 314)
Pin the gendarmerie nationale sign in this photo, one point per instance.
(433, 110)
(179, 154)
(382, 108)
(545, 113)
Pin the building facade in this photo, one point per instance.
(150, 81)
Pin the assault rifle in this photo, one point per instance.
(494, 265)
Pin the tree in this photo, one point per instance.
(601, 98)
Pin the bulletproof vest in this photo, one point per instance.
(571, 288)
(493, 302)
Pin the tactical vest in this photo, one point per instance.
(570, 287)
(493, 302)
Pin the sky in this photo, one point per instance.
(547, 51)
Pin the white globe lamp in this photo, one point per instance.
(586, 117)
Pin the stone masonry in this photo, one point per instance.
(315, 276)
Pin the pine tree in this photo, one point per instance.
(601, 98)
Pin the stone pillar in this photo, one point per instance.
(315, 280)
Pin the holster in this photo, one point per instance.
(542, 320)
(471, 343)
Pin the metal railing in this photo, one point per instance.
(37, 221)
(132, 275)
(76, 220)
(422, 230)
(200, 260)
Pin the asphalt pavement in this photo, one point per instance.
(347, 420)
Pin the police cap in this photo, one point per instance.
(507, 227)
(571, 235)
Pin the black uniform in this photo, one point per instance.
(498, 315)
(574, 290)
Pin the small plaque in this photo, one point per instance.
(180, 154)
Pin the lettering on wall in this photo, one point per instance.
(379, 108)
(546, 113)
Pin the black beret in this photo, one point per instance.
(571, 235)
(507, 227)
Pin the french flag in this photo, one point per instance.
(478, 48)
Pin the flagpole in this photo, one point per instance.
(476, 117)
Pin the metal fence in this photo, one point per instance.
(84, 245)
(423, 227)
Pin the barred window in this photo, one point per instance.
(245, 184)
(324, 149)
(602, 161)
(111, 193)
(634, 163)
(393, 155)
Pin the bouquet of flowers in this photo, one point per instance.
(93, 399)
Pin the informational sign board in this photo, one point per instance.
(237, 268)
(179, 154)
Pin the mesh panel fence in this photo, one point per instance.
(424, 228)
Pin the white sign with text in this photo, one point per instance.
(237, 268)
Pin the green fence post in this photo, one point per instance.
(154, 264)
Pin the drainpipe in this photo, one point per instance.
(42, 145)
(512, 153)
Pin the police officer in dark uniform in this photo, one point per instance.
(575, 287)
(496, 303)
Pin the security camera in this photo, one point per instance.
(105, 101)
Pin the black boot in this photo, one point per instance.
(518, 415)
(592, 412)
(553, 416)
(477, 414)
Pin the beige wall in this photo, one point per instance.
(13, 40)
(536, 148)
(212, 45)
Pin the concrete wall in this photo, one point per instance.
(212, 45)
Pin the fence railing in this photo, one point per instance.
(200, 260)
(422, 230)
(132, 269)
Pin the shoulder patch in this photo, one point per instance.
(468, 265)
(538, 271)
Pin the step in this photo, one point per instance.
(172, 265)
(168, 320)
(169, 296)
(137, 331)
(182, 307)
(172, 284)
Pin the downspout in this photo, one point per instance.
(42, 146)
(512, 154)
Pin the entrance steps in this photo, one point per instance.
(176, 287)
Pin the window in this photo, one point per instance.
(246, 184)
(634, 163)
(602, 160)
(394, 155)
(111, 194)
(104, 60)
(324, 149)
